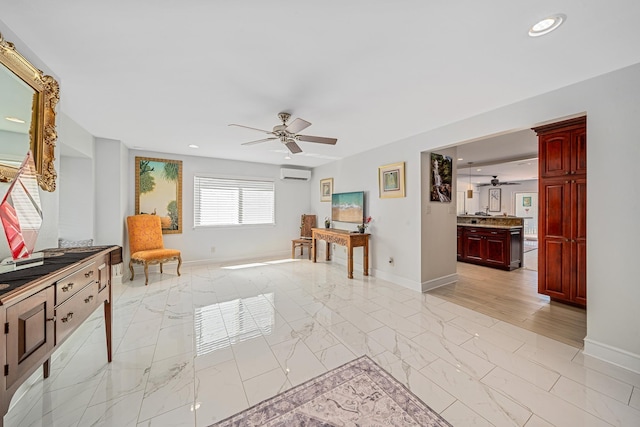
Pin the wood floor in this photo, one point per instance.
(512, 296)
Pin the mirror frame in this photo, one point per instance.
(42, 133)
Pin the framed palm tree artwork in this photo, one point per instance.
(159, 191)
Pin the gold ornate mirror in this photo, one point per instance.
(27, 116)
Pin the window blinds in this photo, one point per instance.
(224, 201)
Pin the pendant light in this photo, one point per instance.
(470, 188)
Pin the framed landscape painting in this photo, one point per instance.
(391, 180)
(441, 178)
(159, 191)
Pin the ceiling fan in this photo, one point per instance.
(288, 134)
(496, 182)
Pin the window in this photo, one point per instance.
(224, 201)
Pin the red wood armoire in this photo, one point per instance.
(562, 225)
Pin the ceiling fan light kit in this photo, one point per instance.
(288, 133)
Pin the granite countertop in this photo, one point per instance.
(506, 227)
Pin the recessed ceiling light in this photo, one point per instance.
(193, 146)
(14, 119)
(478, 170)
(460, 159)
(287, 157)
(547, 25)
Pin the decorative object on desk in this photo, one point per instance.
(327, 222)
(391, 180)
(441, 178)
(495, 199)
(66, 243)
(365, 223)
(347, 207)
(159, 191)
(326, 189)
(21, 216)
(357, 393)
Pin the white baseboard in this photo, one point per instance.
(398, 280)
(439, 281)
(615, 356)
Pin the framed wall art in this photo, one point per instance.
(391, 180)
(495, 200)
(441, 178)
(159, 191)
(326, 189)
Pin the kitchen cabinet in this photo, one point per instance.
(493, 247)
(562, 231)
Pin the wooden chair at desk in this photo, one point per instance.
(307, 222)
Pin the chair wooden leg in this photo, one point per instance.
(131, 269)
(309, 249)
(179, 264)
(146, 274)
(293, 251)
(161, 268)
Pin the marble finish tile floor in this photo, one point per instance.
(193, 350)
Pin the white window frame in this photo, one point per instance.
(196, 199)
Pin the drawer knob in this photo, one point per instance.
(69, 316)
(88, 274)
(88, 299)
(67, 288)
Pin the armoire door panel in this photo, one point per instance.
(579, 206)
(579, 152)
(553, 280)
(553, 215)
(555, 155)
(580, 273)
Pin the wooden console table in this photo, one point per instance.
(343, 238)
(40, 307)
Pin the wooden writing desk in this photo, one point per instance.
(343, 238)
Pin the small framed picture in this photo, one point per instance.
(391, 180)
(326, 189)
(494, 200)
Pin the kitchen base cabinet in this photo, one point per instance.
(493, 247)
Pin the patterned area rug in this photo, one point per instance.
(359, 393)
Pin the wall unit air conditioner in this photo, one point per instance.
(299, 174)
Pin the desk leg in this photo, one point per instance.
(107, 324)
(314, 243)
(365, 255)
(350, 262)
(46, 368)
(328, 251)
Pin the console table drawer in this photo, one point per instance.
(75, 310)
(73, 283)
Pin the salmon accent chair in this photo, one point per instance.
(146, 244)
(307, 222)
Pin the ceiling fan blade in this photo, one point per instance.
(297, 125)
(259, 140)
(320, 139)
(247, 127)
(293, 147)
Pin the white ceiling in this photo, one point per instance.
(160, 75)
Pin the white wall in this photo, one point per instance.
(77, 198)
(612, 105)
(231, 243)
(508, 195)
(438, 230)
